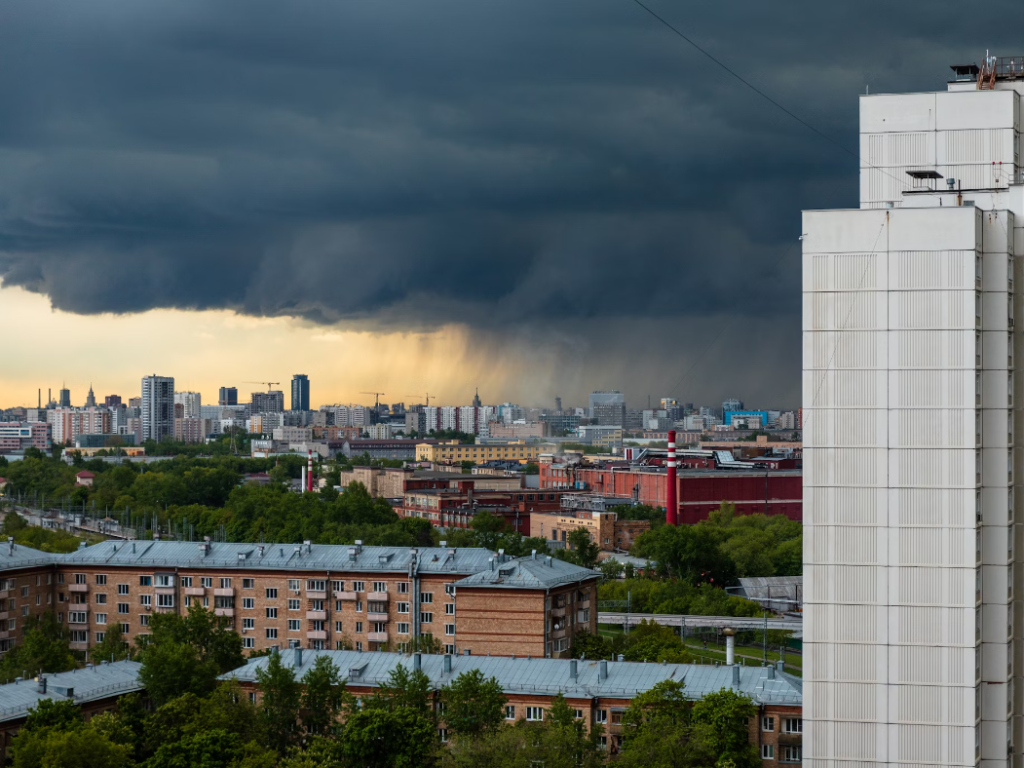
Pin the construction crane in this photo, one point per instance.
(427, 397)
(270, 384)
(376, 404)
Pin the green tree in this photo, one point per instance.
(323, 696)
(279, 711)
(722, 718)
(82, 747)
(213, 748)
(581, 549)
(404, 689)
(113, 646)
(377, 737)
(44, 648)
(473, 704)
(62, 715)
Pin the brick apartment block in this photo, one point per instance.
(317, 596)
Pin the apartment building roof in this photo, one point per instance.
(19, 556)
(292, 557)
(527, 573)
(95, 682)
(623, 679)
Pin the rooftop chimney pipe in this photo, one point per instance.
(671, 504)
(42, 684)
(298, 657)
(416, 662)
(736, 676)
(602, 670)
(447, 664)
(309, 472)
(572, 669)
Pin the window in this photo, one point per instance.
(402, 628)
(248, 623)
(186, 581)
(122, 589)
(60, 576)
(293, 625)
(249, 642)
(449, 589)
(337, 626)
(100, 636)
(271, 594)
(248, 583)
(293, 584)
(316, 585)
(122, 608)
(252, 697)
(792, 725)
(359, 645)
(225, 583)
(165, 601)
(403, 607)
(767, 723)
(616, 718)
(442, 734)
(124, 628)
(271, 613)
(380, 586)
(359, 606)
(79, 636)
(101, 579)
(144, 619)
(792, 754)
(426, 597)
(146, 600)
(358, 586)
(248, 602)
(378, 626)
(578, 714)
(164, 580)
(271, 633)
(78, 617)
(359, 627)
(101, 618)
(601, 716)
(206, 581)
(206, 602)
(403, 587)
(449, 629)
(450, 650)
(144, 581)
(767, 751)
(449, 609)
(294, 604)
(534, 713)
(426, 618)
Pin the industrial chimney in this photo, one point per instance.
(671, 504)
(309, 472)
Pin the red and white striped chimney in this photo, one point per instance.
(671, 504)
(309, 471)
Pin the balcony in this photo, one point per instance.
(195, 591)
(224, 592)
(164, 609)
(4, 634)
(351, 596)
(377, 617)
(377, 597)
(3, 615)
(78, 587)
(316, 595)
(77, 622)
(165, 590)
(790, 738)
(377, 637)
(557, 612)
(316, 634)
(4, 594)
(79, 646)
(223, 611)
(316, 615)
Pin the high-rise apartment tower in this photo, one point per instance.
(157, 407)
(228, 396)
(911, 407)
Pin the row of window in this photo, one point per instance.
(789, 724)
(787, 754)
(294, 585)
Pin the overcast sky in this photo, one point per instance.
(566, 182)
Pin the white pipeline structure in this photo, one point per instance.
(912, 620)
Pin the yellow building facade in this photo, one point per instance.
(453, 451)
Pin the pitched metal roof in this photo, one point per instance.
(90, 684)
(536, 572)
(292, 557)
(19, 556)
(625, 679)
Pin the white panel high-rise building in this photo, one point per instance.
(157, 407)
(191, 403)
(912, 622)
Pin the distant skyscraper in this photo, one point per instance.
(191, 404)
(228, 396)
(157, 407)
(609, 408)
(732, 404)
(300, 392)
(65, 398)
(267, 402)
(112, 401)
(558, 405)
(90, 399)
(476, 399)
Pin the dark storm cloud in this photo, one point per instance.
(529, 165)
